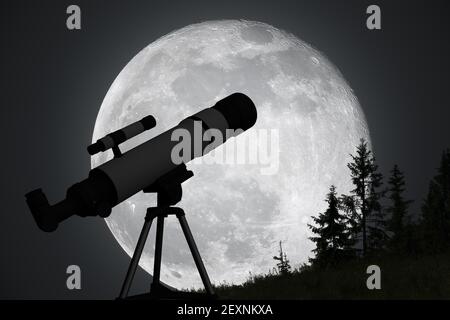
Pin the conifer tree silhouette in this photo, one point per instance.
(353, 224)
(331, 233)
(376, 224)
(366, 197)
(398, 210)
(283, 265)
(436, 208)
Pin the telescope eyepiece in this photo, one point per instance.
(38, 204)
(95, 148)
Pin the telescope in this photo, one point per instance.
(126, 174)
(150, 168)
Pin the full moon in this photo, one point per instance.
(237, 212)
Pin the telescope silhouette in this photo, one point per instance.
(126, 174)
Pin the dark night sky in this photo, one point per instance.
(54, 80)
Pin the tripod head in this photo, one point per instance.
(168, 186)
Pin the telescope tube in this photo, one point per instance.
(118, 179)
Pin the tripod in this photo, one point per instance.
(169, 192)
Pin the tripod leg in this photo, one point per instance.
(195, 254)
(136, 257)
(158, 251)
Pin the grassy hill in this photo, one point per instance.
(426, 277)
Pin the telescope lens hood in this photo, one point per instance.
(239, 111)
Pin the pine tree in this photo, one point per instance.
(366, 197)
(331, 233)
(283, 265)
(436, 208)
(352, 222)
(398, 210)
(377, 226)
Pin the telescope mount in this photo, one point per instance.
(169, 193)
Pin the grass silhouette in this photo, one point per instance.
(424, 277)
